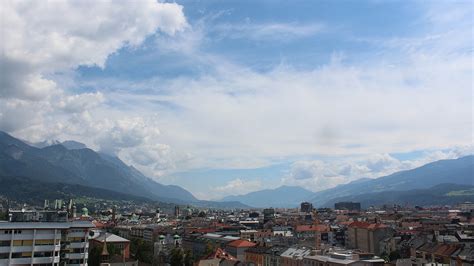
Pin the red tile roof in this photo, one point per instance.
(241, 243)
(366, 225)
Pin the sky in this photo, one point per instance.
(229, 97)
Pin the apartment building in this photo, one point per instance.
(44, 243)
(366, 236)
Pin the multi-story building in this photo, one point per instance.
(46, 243)
(294, 256)
(268, 215)
(272, 256)
(342, 258)
(255, 256)
(351, 206)
(306, 207)
(366, 236)
(237, 248)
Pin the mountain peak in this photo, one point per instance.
(73, 145)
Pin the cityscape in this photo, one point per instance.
(245, 133)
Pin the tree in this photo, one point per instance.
(94, 256)
(142, 250)
(176, 257)
(188, 258)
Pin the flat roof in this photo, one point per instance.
(45, 225)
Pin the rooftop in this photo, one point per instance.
(241, 243)
(46, 225)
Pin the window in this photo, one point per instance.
(78, 250)
(43, 254)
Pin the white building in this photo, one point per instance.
(46, 243)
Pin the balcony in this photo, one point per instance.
(5, 237)
(21, 249)
(45, 260)
(77, 234)
(43, 248)
(76, 256)
(19, 261)
(47, 236)
(78, 245)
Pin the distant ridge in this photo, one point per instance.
(71, 162)
(284, 196)
(439, 195)
(387, 189)
(456, 171)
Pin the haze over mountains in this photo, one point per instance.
(284, 196)
(419, 183)
(71, 163)
(77, 165)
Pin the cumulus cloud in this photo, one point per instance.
(318, 175)
(42, 39)
(80, 102)
(236, 186)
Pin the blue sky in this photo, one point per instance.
(227, 97)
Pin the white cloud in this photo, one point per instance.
(41, 38)
(236, 186)
(267, 31)
(80, 102)
(318, 175)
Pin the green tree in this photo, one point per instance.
(176, 257)
(188, 258)
(94, 256)
(142, 250)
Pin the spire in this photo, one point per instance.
(105, 252)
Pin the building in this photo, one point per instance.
(51, 243)
(248, 234)
(366, 236)
(255, 256)
(237, 248)
(342, 258)
(466, 206)
(120, 244)
(272, 255)
(268, 215)
(306, 207)
(37, 216)
(217, 258)
(198, 244)
(177, 212)
(294, 256)
(350, 206)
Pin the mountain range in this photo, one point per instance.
(72, 163)
(441, 194)
(421, 185)
(455, 171)
(284, 196)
